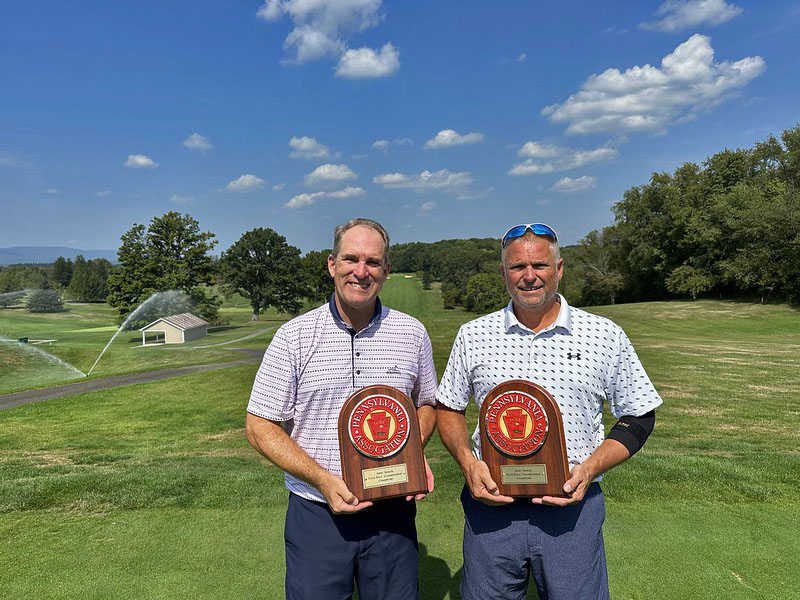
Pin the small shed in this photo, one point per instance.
(175, 329)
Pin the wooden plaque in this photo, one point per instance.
(522, 440)
(380, 446)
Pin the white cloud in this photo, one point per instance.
(562, 159)
(278, 186)
(309, 199)
(140, 161)
(521, 57)
(383, 145)
(427, 206)
(52, 192)
(198, 143)
(649, 98)
(246, 183)
(448, 137)
(7, 159)
(322, 29)
(328, 174)
(307, 147)
(364, 63)
(537, 150)
(180, 199)
(677, 15)
(304, 200)
(426, 181)
(568, 184)
(348, 192)
(103, 194)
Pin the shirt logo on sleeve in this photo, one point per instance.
(378, 426)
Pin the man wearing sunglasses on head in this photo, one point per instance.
(583, 360)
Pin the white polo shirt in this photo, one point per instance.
(315, 362)
(582, 359)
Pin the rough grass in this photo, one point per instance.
(150, 491)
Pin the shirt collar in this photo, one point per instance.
(563, 320)
(341, 322)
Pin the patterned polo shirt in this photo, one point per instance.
(316, 361)
(582, 359)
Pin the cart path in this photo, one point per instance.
(94, 385)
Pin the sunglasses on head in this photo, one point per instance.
(537, 228)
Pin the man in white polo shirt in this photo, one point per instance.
(583, 360)
(313, 364)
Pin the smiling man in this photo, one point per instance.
(583, 360)
(312, 366)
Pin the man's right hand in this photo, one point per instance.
(481, 485)
(339, 497)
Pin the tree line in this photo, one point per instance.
(81, 280)
(172, 253)
(727, 227)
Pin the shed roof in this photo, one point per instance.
(183, 321)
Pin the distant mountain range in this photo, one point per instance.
(48, 254)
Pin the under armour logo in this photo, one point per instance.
(576, 355)
(393, 370)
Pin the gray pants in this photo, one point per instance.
(561, 548)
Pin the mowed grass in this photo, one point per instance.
(78, 336)
(151, 491)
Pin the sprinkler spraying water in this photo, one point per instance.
(160, 302)
(34, 351)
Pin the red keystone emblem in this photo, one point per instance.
(516, 424)
(378, 426)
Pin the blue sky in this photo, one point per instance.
(440, 119)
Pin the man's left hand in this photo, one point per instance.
(428, 479)
(575, 487)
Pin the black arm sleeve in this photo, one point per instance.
(632, 432)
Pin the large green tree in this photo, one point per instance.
(171, 253)
(265, 269)
(318, 279)
(598, 253)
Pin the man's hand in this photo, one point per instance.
(608, 455)
(428, 480)
(339, 497)
(481, 485)
(575, 487)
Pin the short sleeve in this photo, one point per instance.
(630, 391)
(424, 391)
(455, 388)
(275, 385)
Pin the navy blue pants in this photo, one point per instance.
(376, 548)
(560, 547)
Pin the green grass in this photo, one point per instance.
(79, 335)
(151, 491)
